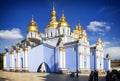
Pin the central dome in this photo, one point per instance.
(53, 23)
(63, 22)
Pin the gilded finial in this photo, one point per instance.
(78, 22)
(53, 6)
(62, 13)
(32, 17)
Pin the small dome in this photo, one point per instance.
(33, 26)
(79, 28)
(99, 41)
(39, 35)
(63, 22)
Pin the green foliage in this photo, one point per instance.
(1, 61)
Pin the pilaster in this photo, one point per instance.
(62, 67)
(25, 67)
(18, 60)
(4, 62)
(12, 66)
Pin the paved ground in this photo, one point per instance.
(20, 76)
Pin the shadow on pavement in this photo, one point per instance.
(62, 77)
(4, 79)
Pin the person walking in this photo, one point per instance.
(96, 75)
(108, 76)
(91, 76)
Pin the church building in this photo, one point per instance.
(61, 50)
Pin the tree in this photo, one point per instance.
(1, 61)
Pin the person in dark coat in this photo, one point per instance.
(91, 76)
(108, 76)
(115, 76)
(96, 75)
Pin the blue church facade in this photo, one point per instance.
(61, 50)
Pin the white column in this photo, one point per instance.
(64, 62)
(4, 62)
(88, 62)
(98, 63)
(25, 59)
(18, 60)
(12, 66)
(81, 61)
(109, 64)
(60, 57)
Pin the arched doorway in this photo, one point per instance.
(43, 67)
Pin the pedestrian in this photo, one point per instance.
(108, 76)
(115, 75)
(91, 76)
(96, 75)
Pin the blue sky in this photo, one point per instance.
(100, 18)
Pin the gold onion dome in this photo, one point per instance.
(53, 23)
(39, 35)
(79, 27)
(33, 26)
(99, 41)
(63, 22)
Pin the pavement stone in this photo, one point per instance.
(21, 76)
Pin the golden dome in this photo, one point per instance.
(53, 23)
(39, 35)
(63, 22)
(33, 26)
(79, 28)
(99, 41)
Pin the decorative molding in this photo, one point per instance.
(18, 51)
(64, 49)
(4, 54)
(12, 52)
(25, 49)
(80, 53)
(61, 49)
(88, 54)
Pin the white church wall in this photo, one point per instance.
(35, 58)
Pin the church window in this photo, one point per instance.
(74, 49)
(15, 62)
(51, 34)
(31, 34)
(85, 64)
(63, 31)
(22, 62)
(35, 35)
(68, 31)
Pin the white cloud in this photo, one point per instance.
(107, 28)
(97, 26)
(101, 34)
(114, 52)
(106, 44)
(11, 34)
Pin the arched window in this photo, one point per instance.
(51, 34)
(63, 31)
(68, 31)
(35, 35)
(31, 34)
